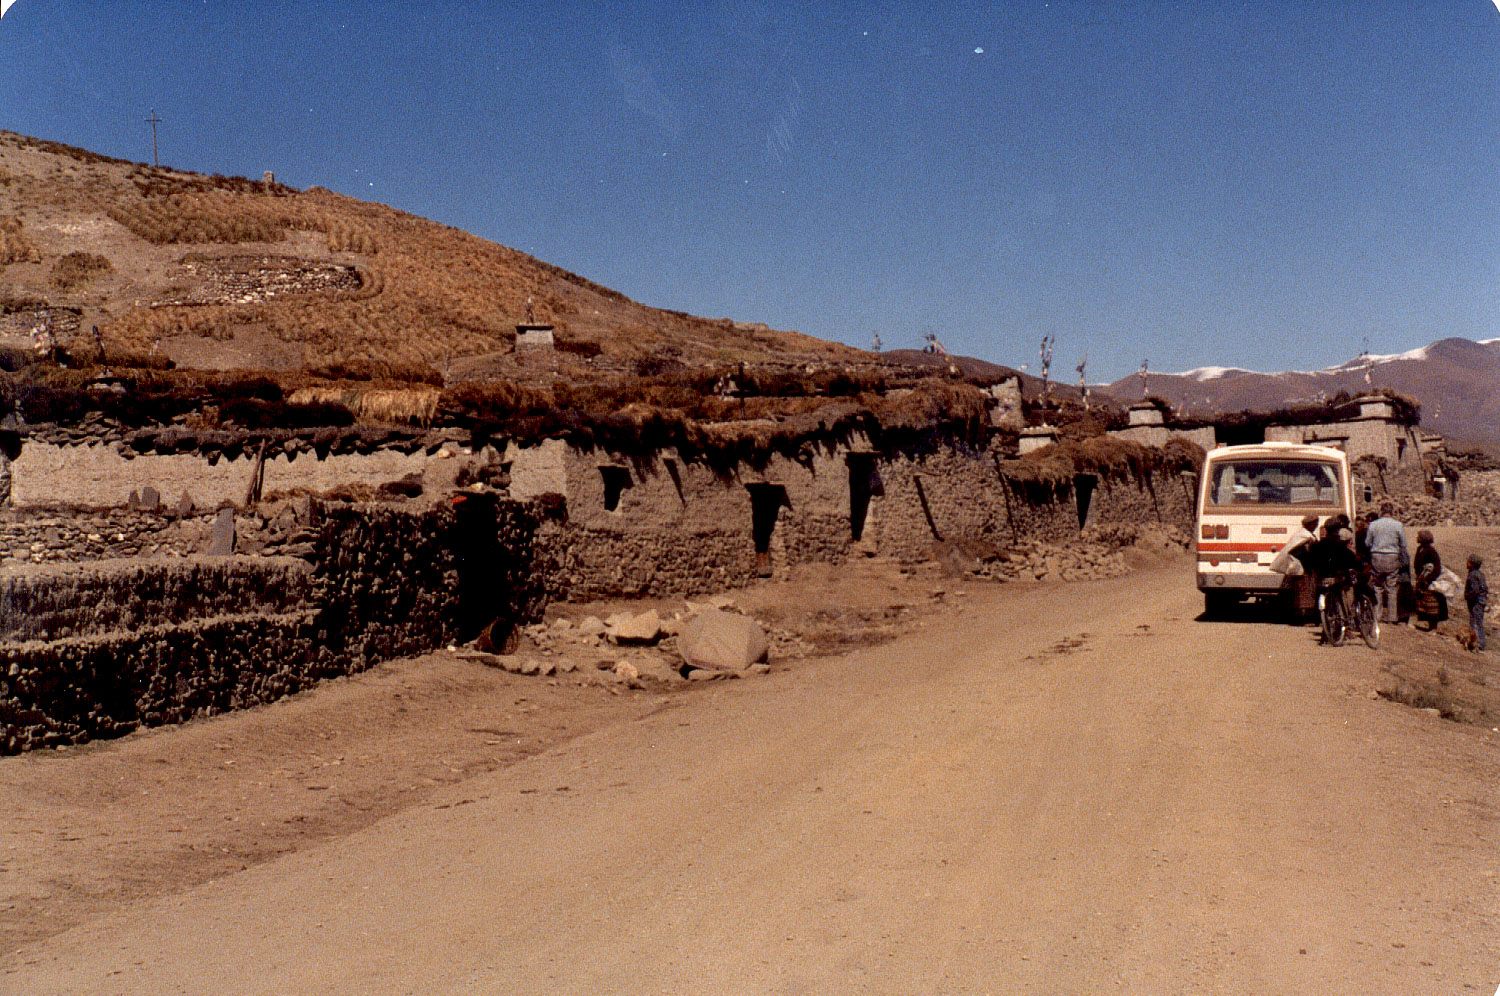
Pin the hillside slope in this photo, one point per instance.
(228, 273)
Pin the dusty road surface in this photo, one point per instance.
(1061, 789)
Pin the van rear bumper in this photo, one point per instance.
(1240, 581)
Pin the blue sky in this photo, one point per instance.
(1270, 185)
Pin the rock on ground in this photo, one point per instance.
(722, 641)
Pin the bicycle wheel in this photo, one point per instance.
(1367, 621)
(1333, 620)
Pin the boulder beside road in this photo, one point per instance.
(634, 629)
(722, 641)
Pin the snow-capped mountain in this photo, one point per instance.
(1456, 381)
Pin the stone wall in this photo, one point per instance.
(386, 582)
(101, 648)
(73, 690)
(63, 322)
(57, 601)
(248, 279)
(61, 534)
(1477, 504)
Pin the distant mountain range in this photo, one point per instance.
(1456, 381)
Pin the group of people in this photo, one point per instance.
(1373, 550)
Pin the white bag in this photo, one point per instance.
(1284, 562)
(1448, 585)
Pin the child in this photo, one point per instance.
(1477, 594)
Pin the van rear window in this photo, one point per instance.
(1273, 482)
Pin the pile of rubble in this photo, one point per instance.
(702, 641)
(1078, 561)
(1097, 554)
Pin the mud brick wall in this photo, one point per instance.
(58, 602)
(104, 475)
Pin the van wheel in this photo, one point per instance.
(1217, 604)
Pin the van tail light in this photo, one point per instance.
(1208, 531)
(1221, 532)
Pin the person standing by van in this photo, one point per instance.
(1427, 567)
(1387, 541)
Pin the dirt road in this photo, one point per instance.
(1068, 789)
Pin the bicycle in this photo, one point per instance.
(1338, 617)
(1367, 615)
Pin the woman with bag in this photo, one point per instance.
(1427, 567)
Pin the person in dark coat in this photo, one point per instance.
(1332, 557)
(1432, 606)
(1361, 545)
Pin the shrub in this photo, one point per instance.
(78, 268)
(14, 246)
(14, 358)
(586, 348)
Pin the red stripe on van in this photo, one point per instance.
(1239, 547)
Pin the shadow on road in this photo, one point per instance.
(1259, 612)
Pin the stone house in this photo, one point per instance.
(1383, 440)
(665, 524)
(1147, 425)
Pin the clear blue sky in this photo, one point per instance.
(1261, 184)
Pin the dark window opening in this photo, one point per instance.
(765, 505)
(864, 482)
(616, 480)
(1083, 490)
(482, 593)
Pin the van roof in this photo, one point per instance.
(1278, 449)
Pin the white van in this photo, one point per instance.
(1250, 500)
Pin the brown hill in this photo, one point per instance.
(1456, 381)
(228, 273)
